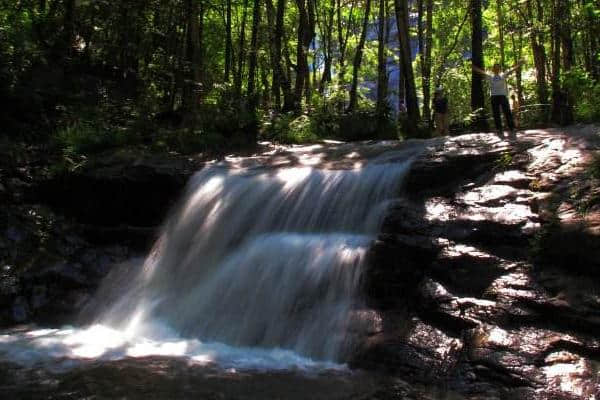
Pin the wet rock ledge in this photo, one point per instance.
(61, 230)
(487, 276)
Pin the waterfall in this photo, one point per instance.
(255, 266)
(265, 257)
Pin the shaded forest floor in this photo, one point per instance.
(486, 274)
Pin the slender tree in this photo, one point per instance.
(241, 53)
(228, 41)
(344, 35)
(537, 39)
(253, 57)
(306, 25)
(382, 81)
(500, 17)
(193, 57)
(327, 37)
(271, 27)
(477, 96)
(358, 56)
(425, 38)
(412, 105)
(517, 46)
(562, 110)
(558, 97)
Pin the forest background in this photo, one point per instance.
(186, 76)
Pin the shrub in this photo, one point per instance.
(584, 93)
(361, 125)
(186, 141)
(85, 137)
(290, 129)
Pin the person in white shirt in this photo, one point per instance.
(499, 95)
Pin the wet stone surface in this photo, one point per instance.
(509, 306)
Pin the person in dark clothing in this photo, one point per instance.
(499, 94)
(440, 112)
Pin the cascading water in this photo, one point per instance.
(259, 258)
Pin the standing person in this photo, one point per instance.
(402, 107)
(440, 112)
(499, 94)
(516, 110)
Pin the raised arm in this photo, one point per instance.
(514, 68)
(478, 70)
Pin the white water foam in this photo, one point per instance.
(60, 350)
(257, 268)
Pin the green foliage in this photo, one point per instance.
(132, 60)
(360, 125)
(327, 119)
(290, 129)
(327, 110)
(86, 137)
(188, 141)
(457, 85)
(585, 93)
(475, 117)
(504, 162)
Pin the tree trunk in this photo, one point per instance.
(358, 58)
(568, 57)
(193, 58)
(228, 42)
(305, 36)
(557, 94)
(275, 58)
(428, 51)
(412, 105)
(592, 35)
(401, 90)
(566, 39)
(539, 51)
(199, 55)
(500, 15)
(477, 96)
(312, 28)
(425, 33)
(252, 62)
(301, 57)
(517, 45)
(328, 47)
(241, 54)
(382, 83)
(421, 40)
(343, 37)
(280, 77)
(266, 89)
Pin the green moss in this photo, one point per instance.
(504, 162)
